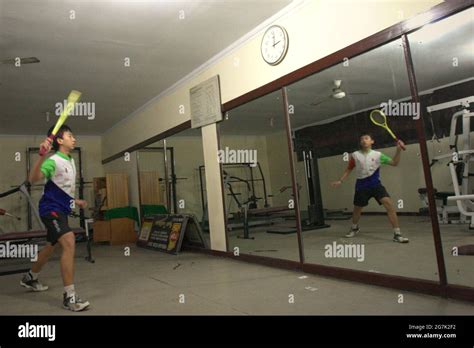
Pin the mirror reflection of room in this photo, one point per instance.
(256, 179)
(153, 189)
(187, 157)
(446, 88)
(169, 176)
(359, 167)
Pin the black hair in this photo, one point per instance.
(59, 134)
(366, 133)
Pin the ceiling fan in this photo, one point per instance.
(28, 60)
(337, 93)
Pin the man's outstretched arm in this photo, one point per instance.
(346, 173)
(396, 159)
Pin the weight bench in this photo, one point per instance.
(259, 212)
(30, 235)
(442, 208)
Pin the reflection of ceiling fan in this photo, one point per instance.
(13, 61)
(337, 93)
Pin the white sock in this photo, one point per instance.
(33, 275)
(69, 290)
(355, 226)
(397, 230)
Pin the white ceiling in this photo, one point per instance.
(88, 52)
(380, 72)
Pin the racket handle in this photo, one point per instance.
(402, 146)
(42, 151)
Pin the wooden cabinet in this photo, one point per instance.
(122, 231)
(115, 231)
(111, 192)
(101, 231)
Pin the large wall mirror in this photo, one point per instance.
(443, 59)
(152, 179)
(169, 180)
(371, 219)
(256, 179)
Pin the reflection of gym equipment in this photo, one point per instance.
(464, 249)
(171, 181)
(250, 183)
(248, 215)
(458, 167)
(228, 181)
(464, 202)
(265, 216)
(304, 149)
(32, 235)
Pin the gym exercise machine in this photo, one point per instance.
(305, 152)
(248, 214)
(32, 235)
(250, 183)
(458, 166)
(230, 180)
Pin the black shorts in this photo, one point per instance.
(56, 225)
(362, 197)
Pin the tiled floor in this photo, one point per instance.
(149, 282)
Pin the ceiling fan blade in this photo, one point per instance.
(321, 101)
(28, 60)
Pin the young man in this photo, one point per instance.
(367, 163)
(54, 207)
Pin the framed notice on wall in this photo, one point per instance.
(206, 103)
(170, 232)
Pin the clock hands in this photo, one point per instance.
(276, 43)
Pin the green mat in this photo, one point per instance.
(150, 209)
(125, 212)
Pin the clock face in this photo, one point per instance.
(274, 45)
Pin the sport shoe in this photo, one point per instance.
(352, 232)
(400, 239)
(74, 303)
(33, 284)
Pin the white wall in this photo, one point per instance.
(315, 30)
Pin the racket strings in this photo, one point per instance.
(378, 118)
